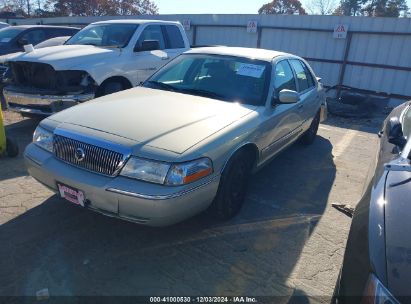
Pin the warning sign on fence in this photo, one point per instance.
(186, 24)
(252, 26)
(340, 31)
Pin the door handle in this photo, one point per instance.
(164, 58)
(300, 107)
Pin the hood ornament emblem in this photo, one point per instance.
(79, 154)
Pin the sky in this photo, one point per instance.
(209, 6)
(215, 6)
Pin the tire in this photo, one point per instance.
(233, 187)
(309, 136)
(111, 87)
(12, 148)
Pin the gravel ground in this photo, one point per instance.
(287, 242)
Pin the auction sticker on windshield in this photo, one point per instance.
(70, 194)
(251, 70)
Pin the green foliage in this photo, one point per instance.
(372, 8)
(283, 7)
(55, 8)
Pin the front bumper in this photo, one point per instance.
(43, 105)
(120, 197)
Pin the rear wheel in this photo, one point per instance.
(233, 187)
(309, 136)
(12, 148)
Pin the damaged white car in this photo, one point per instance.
(103, 58)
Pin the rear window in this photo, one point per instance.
(174, 37)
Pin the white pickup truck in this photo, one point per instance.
(103, 58)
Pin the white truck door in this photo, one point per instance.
(147, 62)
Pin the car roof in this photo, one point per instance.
(44, 26)
(134, 21)
(253, 53)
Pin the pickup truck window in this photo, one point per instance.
(304, 77)
(105, 35)
(35, 36)
(174, 37)
(245, 80)
(284, 78)
(152, 32)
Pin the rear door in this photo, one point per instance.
(145, 63)
(307, 87)
(175, 44)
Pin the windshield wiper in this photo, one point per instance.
(205, 93)
(163, 85)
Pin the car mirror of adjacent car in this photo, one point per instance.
(288, 96)
(395, 136)
(22, 42)
(148, 45)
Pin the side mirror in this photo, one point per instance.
(393, 129)
(22, 41)
(288, 96)
(148, 45)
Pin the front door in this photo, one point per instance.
(284, 121)
(147, 62)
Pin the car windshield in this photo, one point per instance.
(105, 35)
(9, 33)
(227, 78)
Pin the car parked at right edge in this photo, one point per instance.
(377, 260)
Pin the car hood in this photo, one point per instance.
(161, 119)
(63, 57)
(398, 231)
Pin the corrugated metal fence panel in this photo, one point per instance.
(303, 43)
(314, 40)
(225, 36)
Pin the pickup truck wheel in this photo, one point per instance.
(111, 87)
(233, 188)
(309, 136)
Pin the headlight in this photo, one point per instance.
(43, 139)
(376, 293)
(189, 172)
(147, 170)
(165, 173)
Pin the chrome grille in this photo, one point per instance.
(96, 159)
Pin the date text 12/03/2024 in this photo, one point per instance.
(240, 299)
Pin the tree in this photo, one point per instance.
(351, 7)
(385, 8)
(101, 7)
(282, 7)
(321, 7)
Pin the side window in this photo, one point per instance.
(35, 36)
(304, 77)
(174, 38)
(284, 77)
(152, 32)
(59, 32)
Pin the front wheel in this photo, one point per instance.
(233, 188)
(110, 87)
(309, 136)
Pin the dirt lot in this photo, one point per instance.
(287, 241)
